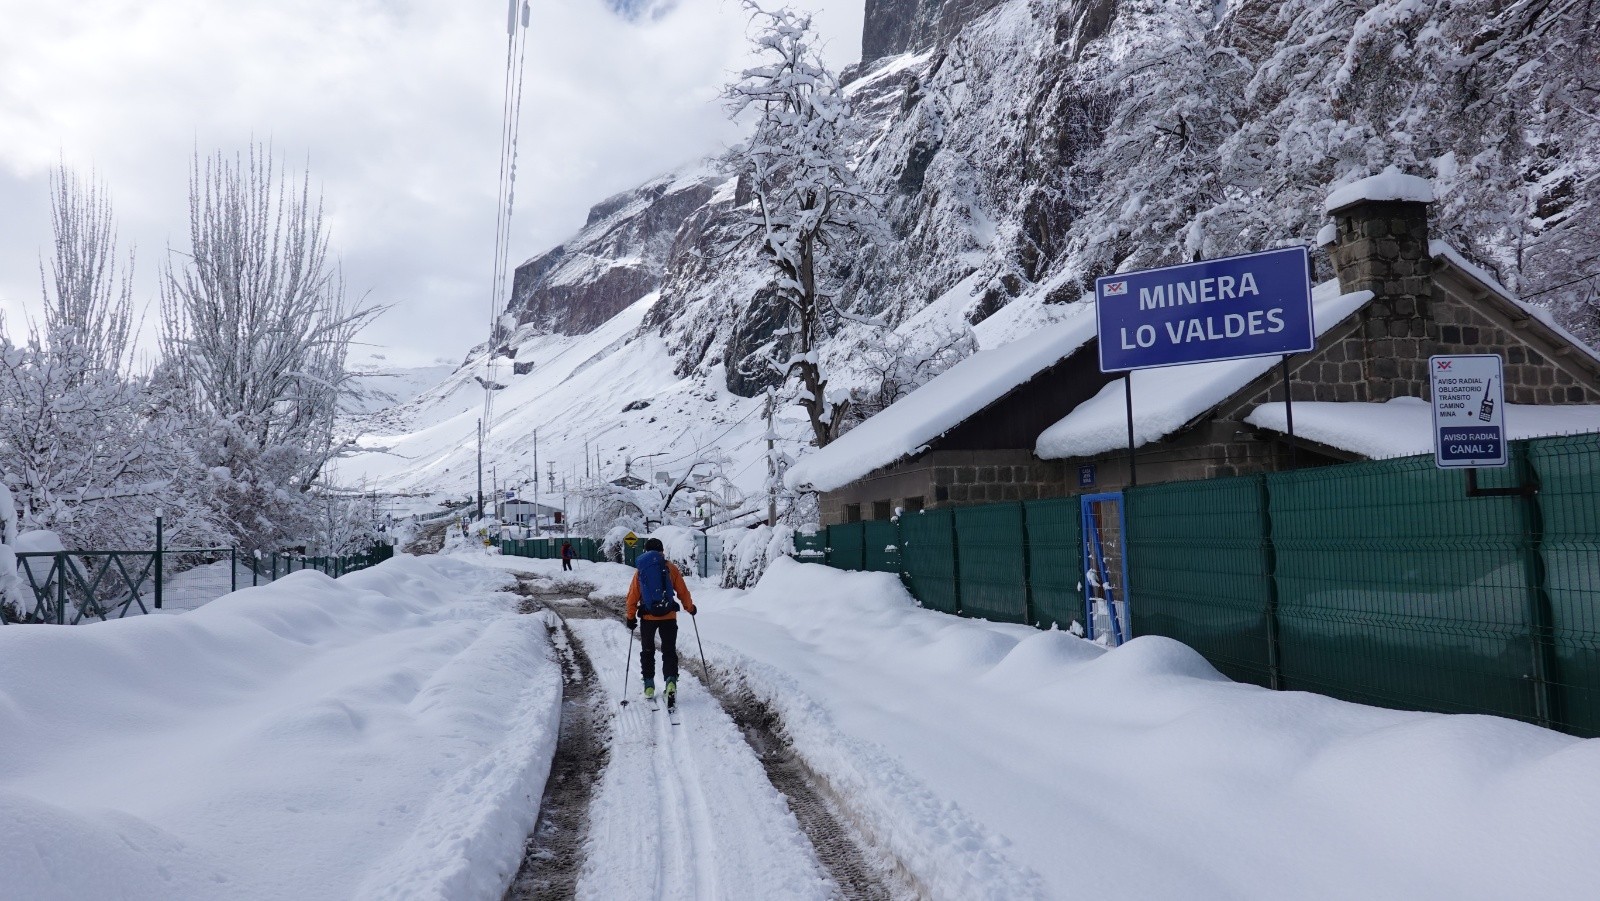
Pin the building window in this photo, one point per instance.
(913, 504)
(852, 512)
(941, 494)
(881, 510)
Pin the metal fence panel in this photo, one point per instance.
(993, 569)
(811, 548)
(880, 541)
(845, 547)
(1569, 504)
(1055, 552)
(929, 553)
(1197, 568)
(1396, 589)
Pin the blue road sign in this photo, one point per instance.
(1086, 475)
(1255, 305)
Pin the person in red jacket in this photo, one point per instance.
(567, 553)
(664, 581)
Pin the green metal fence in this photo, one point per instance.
(1054, 552)
(990, 548)
(550, 548)
(1387, 583)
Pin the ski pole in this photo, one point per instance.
(704, 667)
(625, 658)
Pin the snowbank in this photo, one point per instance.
(984, 753)
(1403, 427)
(376, 736)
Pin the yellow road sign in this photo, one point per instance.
(630, 539)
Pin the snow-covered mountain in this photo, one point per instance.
(1018, 149)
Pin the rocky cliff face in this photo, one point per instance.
(620, 255)
(1019, 148)
(892, 27)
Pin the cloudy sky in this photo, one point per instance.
(395, 104)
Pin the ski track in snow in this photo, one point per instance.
(689, 806)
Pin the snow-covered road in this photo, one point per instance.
(388, 735)
(686, 812)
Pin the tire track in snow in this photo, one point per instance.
(553, 852)
(691, 804)
(682, 855)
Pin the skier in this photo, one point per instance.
(654, 596)
(567, 553)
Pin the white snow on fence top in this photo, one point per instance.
(1390, 184)
(939, 406)
(1167, 399)
(1403, 427)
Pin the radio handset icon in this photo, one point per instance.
(1486, 407)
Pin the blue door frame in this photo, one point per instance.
(1094, 561)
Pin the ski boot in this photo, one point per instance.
(672, 693)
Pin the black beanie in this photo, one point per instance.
(653, 544)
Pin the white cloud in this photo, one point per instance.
(396, 104)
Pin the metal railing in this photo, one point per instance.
(72, 587)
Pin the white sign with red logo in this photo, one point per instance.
(1469, 427)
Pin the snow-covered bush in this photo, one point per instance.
(681, 545)
(11, 587)
(751, 551)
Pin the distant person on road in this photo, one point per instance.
(567, 553)
(654, 597)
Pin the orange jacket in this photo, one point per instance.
(681, 589)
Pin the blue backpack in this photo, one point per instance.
(656, 597)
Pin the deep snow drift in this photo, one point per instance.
(377, 736)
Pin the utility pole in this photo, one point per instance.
(772, 467)
(480, 467)
(537, 530)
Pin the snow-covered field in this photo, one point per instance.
(388, 734)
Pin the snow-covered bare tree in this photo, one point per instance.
(893, 364)
(805, 198)
(257, 327)
(699, 478)
(79, 441)
(88, 293)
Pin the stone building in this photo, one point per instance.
(1036, 418)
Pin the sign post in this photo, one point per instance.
(1233, 308)
(1469, 411)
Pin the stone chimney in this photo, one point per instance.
(1379, 243)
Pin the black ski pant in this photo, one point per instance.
(668, 629)
(566, 564)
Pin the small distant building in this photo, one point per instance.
(1036, 417)
(526, 513)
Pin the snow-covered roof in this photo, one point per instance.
(1438, 249)
(1390, 184)
(1167, 399)
(942, 404)
(1403, 427)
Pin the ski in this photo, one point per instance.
(672, 709)
(655, 703)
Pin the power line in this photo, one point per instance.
(1562, 285)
